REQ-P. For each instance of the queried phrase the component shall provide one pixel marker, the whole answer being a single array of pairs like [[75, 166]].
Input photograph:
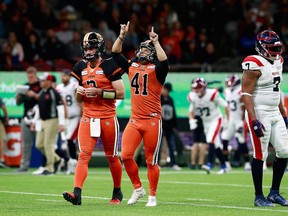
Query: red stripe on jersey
[[217, 129], [213, 96], [253, 59], [255, 142], [281, 59]]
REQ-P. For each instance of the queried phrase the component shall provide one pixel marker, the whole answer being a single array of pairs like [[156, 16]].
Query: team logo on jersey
[[151, 67], [107, 123], [99, 71], [135, 64], [83, 73]]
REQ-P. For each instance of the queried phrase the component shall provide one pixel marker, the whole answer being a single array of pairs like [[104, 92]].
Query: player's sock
[[72, 149], [243, 149], [220, 156], [211, 153], [279, 167], [225, 149], [257, 174], [62, 154], [77, 191]]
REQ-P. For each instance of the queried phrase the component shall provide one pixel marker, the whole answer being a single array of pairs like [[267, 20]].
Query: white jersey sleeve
[[266, 94]]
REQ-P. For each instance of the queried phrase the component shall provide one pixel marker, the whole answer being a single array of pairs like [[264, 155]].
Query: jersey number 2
[[135, 84]]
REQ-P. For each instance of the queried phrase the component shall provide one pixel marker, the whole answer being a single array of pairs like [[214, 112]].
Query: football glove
[[286, 121], [193, 124], [258, 128]]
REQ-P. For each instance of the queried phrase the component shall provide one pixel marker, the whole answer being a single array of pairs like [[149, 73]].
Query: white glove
[[193, 124]]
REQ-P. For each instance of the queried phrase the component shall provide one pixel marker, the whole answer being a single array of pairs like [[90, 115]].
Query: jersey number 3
[[136, 84]]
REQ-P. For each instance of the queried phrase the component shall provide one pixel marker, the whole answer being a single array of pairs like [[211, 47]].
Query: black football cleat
[[71, 197]]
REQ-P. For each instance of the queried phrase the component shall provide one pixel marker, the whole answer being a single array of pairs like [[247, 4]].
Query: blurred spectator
[[3, 121], [64, 33], [53, 48], [6, 58], [209, 58], [32, 49], [190, 55], [29, 98], [104, 30], [73, 49], [4, 18], [13, 52], [44, 17], [169, 123]]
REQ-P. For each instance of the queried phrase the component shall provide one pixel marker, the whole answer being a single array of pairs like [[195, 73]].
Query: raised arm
[[161, 55], [117, 46]]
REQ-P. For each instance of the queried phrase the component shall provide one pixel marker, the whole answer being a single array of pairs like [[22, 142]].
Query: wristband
[[108, 94], [120, 38], [246, 93]]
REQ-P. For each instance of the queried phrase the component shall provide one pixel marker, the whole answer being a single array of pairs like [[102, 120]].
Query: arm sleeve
[[162, 70], [191, 107], [121, 61], [77, 71], [220, 101]]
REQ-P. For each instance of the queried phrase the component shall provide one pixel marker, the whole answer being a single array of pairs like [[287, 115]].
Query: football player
[[205, 103], [265, 113], [147, 73], [100, 84], [235, 126], [67, 90]]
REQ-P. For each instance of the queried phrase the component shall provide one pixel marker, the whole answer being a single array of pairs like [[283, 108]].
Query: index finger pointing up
[[152, 29]]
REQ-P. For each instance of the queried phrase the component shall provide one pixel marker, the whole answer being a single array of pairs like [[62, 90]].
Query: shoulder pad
[[252, 62]]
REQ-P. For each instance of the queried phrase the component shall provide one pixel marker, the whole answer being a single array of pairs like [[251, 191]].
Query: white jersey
[[68, 94], [266, 94], [207, 107], [233, 96]]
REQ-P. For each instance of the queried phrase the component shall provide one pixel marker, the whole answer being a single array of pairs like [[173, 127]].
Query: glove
[[193, 124], [286, 121], [258, 128]]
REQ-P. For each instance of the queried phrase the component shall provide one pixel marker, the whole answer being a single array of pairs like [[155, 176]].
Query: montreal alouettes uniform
[[207, 107], [68, 94], [267, 90]]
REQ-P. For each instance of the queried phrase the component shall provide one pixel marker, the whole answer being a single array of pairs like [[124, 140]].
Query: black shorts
[[198, 133]]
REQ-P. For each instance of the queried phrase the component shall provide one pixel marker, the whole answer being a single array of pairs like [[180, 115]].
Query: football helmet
[[232, 80], [150, 57], [198, 86], [269, 45], [92, 40], [198, 83]]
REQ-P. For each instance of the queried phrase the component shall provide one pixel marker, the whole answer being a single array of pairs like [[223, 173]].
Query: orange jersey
[[145, 91], [102, 77]]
